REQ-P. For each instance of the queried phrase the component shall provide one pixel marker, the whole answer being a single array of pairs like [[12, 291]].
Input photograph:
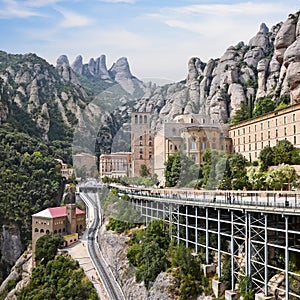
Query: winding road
[[92, 202]]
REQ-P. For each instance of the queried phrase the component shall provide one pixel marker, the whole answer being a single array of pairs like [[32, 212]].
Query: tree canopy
[[60, 278], [46, 247]]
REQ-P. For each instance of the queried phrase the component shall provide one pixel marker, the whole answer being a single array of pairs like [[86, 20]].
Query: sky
[[157, 37]]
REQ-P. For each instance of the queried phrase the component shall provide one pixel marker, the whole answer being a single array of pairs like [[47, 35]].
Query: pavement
[[79, 252]]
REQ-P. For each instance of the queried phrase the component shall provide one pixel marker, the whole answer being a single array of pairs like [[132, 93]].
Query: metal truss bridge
[[259, 232]]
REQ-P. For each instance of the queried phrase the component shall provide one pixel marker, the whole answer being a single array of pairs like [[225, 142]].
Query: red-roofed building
[[69, 221]]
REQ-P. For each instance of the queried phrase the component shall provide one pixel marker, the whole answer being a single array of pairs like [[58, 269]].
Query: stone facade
[[142, 143], [116, 164], [191, 134], [251, 136]]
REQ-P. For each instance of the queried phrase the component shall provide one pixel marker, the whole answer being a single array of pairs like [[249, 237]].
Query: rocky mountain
[[269, 65], [49, 101], [37, 98]]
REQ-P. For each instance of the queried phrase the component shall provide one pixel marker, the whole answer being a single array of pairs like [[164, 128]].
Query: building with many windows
[[251, 136], [142, 143], [69, 221], [191, 134], [115, 164]]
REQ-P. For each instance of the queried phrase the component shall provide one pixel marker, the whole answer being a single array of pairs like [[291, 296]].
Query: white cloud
[[14, 9], [72, 19], [118, 1], [41, 3]]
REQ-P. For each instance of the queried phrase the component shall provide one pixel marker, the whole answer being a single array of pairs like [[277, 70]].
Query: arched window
[[135, 119], [141, 119], [59, 230], [55, 231], [47, 231], [150, 143], [42, 230], [141, 137], [145, 119], [36, 230], [80, 227]]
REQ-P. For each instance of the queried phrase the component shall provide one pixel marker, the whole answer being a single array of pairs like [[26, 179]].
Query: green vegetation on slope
[[30, 180], [56, 277], [60, 278], [152, 252], [218, 170]]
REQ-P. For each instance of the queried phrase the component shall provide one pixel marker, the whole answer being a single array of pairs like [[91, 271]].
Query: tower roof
[[56, 212]]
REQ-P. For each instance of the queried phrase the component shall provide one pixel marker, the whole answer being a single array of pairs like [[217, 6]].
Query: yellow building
[[251, 136], [69, 221], [191, 134]]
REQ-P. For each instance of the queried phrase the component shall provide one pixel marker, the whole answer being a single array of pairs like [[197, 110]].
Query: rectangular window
[[294, 129], [261, 126], [284, 120], [276, 122], [295, 140], [262, 136], [268, 134], [249, 138], [294, 117], [276, 133], [284, 130]]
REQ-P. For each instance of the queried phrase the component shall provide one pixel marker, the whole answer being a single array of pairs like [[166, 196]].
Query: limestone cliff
[[267, 66], [114, 249]]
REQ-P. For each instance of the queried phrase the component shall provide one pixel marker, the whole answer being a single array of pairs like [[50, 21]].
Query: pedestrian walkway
[[80, 253]]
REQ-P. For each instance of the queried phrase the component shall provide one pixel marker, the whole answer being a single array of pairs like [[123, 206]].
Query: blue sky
[[157, 37]]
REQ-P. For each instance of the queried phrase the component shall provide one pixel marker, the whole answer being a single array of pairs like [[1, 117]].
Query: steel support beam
[[232, 251], [219, 244], [206, 237], [266, 256], [286, 257]]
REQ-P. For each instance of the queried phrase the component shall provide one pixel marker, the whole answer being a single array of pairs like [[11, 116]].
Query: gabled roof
[[55, 212]]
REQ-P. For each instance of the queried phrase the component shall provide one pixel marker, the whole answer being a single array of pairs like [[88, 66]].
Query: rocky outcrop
[[120, 72], [114, 249], [267, 66], [10, 244], [32, 87], [287, 45], [19, 274]]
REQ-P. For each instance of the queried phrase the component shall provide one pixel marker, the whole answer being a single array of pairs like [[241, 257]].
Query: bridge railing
[[276, 199]]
